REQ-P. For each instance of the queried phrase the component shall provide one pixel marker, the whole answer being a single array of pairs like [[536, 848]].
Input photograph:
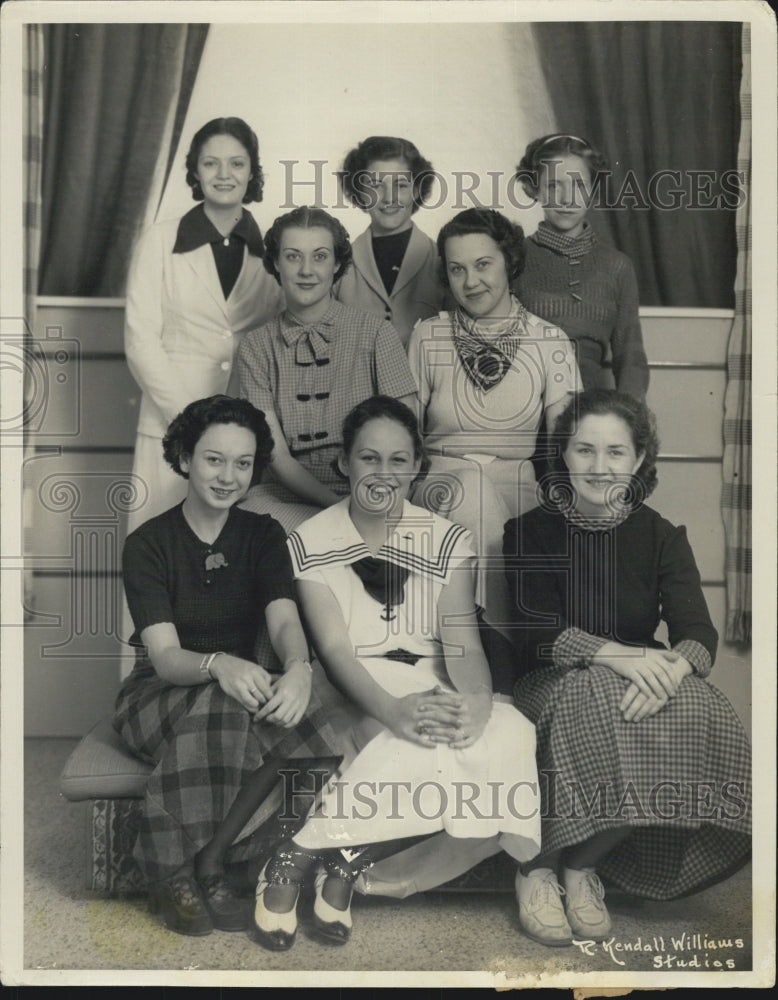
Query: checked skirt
[[681, 779], [204, 745]]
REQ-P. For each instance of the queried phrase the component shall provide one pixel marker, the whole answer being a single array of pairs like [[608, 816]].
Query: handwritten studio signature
[[685, 951]]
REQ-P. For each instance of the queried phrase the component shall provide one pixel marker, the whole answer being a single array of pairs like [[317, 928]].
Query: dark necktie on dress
[[384, 581]]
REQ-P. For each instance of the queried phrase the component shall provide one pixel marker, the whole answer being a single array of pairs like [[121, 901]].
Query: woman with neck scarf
[[488, 374], [387, 594], [309, 366], [570, 277]]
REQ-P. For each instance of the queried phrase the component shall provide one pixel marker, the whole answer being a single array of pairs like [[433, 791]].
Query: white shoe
[[585, 906], [541, 913]]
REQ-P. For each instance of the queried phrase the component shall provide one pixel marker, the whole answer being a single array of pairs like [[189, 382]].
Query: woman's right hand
[[245, 681], [417, 716], [650, 670]]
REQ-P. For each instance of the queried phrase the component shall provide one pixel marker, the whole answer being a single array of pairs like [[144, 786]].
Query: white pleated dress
[[388, 787]]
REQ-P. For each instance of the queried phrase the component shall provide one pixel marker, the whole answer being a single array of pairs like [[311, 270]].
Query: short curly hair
[[509, 237], [307, 217], [188, 427], [602, 402], [384, 147], [548, 147], [239, 130]]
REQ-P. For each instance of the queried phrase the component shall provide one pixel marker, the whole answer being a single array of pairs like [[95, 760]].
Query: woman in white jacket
[[196, 284]]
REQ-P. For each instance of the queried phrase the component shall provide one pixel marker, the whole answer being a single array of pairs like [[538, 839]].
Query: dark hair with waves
[[509, 237], [188, 427], [384, 147], [239, 130], [602, 402], [307, 217]]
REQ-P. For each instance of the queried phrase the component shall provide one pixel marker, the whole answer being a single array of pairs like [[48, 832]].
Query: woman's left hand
[[291, 693], [636, 706]]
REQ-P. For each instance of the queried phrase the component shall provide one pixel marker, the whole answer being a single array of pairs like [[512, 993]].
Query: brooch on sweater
[[215, 561]]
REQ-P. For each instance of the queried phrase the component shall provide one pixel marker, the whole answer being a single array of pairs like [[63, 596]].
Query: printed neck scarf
[[487, 350]]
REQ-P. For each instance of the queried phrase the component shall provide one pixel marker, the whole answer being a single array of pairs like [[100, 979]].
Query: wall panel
[[79, 474]]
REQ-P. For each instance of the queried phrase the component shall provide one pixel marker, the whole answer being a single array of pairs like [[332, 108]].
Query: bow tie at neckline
[[311, 343]]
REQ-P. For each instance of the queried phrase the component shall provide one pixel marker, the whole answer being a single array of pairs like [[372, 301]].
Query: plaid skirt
[[681, 779], [204, 746]]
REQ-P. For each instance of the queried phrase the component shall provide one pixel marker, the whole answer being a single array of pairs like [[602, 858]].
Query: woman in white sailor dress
[[195, 285], [387, 592]]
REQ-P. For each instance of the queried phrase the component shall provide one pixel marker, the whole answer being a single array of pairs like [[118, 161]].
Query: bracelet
[[299, 659], [205, 665]]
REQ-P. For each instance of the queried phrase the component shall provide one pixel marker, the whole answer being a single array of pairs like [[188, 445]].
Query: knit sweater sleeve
[[630, 366], [683, 603]]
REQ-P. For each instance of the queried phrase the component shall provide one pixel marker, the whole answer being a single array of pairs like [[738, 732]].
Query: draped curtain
[[115, 96], [736, 466], [104, 109], [32, 147], [657, 96]]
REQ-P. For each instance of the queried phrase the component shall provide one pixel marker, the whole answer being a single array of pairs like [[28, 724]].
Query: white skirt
[[393, 788]]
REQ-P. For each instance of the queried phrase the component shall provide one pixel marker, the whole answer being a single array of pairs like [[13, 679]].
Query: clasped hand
[[654, 677], [439, 716], [280, 699]]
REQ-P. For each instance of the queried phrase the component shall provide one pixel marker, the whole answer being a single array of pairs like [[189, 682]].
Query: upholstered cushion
[[103, 767]]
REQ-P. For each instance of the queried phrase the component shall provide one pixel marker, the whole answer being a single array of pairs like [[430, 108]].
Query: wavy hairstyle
[[188, 427], [239, 130], [384, 147], [604, 402], [307, 217], [509, 237]]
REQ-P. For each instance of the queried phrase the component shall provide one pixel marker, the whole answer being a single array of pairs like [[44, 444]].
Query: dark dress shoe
[[227, 910], [179, 903]]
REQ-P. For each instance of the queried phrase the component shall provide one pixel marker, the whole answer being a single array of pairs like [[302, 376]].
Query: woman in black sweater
[[645, 768]]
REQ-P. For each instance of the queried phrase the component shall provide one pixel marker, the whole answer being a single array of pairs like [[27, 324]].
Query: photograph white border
[[14, 16]]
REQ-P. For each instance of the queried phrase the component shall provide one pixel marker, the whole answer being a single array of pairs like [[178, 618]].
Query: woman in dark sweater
[[215, 723], [570, 278], [645, 768]]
